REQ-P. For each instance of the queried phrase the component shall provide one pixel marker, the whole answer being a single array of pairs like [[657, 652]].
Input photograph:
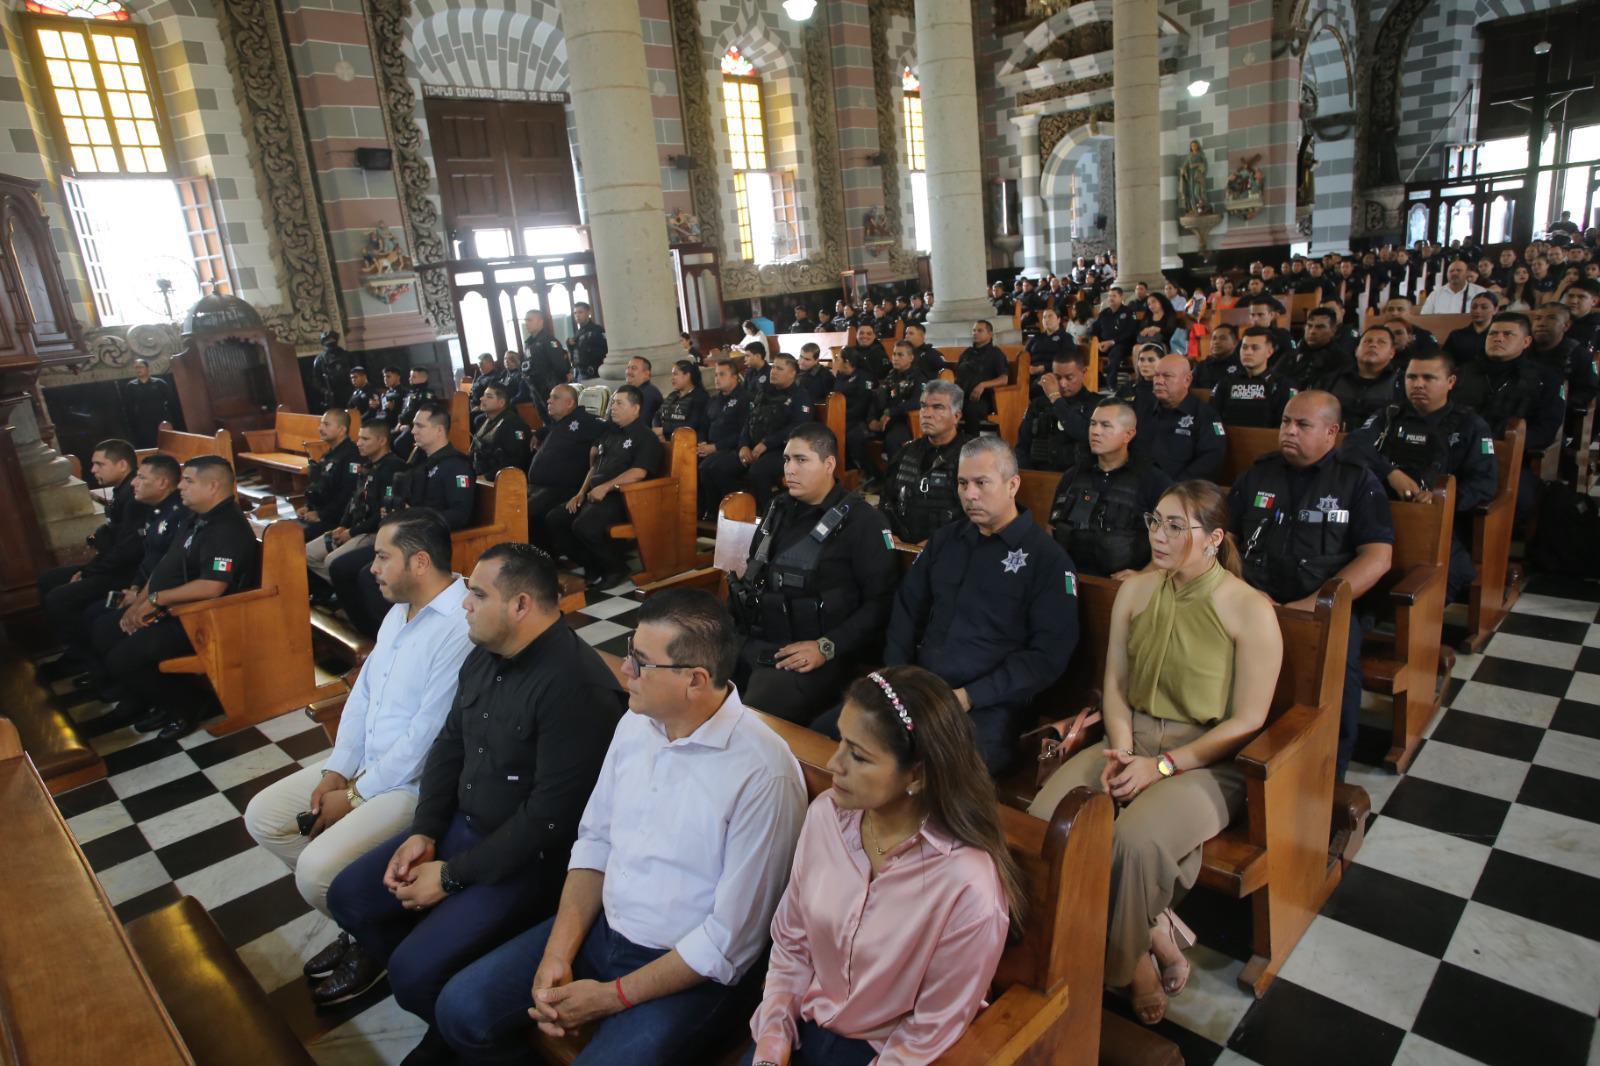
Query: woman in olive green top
[[1191, 665]]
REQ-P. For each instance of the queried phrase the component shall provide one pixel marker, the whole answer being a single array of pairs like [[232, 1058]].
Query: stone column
[[1136, 96], [622, 182], [1035, 256], [955, 171]]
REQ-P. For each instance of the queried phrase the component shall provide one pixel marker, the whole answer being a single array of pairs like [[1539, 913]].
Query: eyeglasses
[[632, 660], [1174, 527]]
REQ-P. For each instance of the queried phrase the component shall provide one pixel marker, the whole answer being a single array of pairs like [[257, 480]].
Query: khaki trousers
[[319, 558], [270, 820], [1155, 847]]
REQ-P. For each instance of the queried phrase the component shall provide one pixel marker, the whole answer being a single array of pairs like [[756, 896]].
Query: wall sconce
[[1199, 87], [799, 10]]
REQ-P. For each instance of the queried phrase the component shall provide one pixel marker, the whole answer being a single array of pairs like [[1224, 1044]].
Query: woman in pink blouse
[[902, 891]]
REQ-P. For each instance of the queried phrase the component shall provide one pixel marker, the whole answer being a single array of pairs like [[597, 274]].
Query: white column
[[1136, 96], [622, 182], [1035, 256], [955, 171]]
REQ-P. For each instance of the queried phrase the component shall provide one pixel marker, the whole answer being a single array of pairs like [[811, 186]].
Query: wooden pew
[[530, 414], [284, 453], [1497, 587], [1300, 305], [1411, 666], [254, 647], [1038, 493], [64, 756], [1245, 444], [185, 446], [1575, 466], [460, 423], [662, 512], [499, 514]]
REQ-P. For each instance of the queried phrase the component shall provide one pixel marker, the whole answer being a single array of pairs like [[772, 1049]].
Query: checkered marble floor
[[1466, 932]]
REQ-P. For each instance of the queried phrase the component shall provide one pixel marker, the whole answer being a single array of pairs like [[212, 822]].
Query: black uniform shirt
[[159, 530], [374, 489], [870, 358], [1370, 519], [519, 753], [563, 456], [1470, 447], [500, 442], [335, 482], [624, 448], [442, 481], [1242, 400], [216, 546], [1186, 441], [117, 545], [683, 411], [931, 362], [796, 410], [725, 418], [589, 347], [817, 383]]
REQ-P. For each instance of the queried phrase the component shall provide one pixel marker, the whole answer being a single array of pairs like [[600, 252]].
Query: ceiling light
[[799, 10], [1199, 87]]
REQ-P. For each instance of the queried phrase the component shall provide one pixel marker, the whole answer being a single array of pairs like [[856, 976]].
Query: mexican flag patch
[[1486, 446], [1072, 583], [1216, 427], [888, 540], [222, 566], [355, 468], [1264, 500], [463, 481]]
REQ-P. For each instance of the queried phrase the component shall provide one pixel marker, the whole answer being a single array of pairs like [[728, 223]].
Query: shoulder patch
[[1486, 446], [463, 481], [1072, 583], [1217, 428]]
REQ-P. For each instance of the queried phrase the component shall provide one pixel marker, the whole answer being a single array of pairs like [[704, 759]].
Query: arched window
[[768, 212], [916, 153]]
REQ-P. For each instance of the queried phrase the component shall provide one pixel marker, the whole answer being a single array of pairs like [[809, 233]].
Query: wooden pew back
[[460, 422], [530, 414], [186, 446], [1492, 592], [662, 511], [1037, 493]]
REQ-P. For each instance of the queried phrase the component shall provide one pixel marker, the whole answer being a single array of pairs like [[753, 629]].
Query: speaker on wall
[[374, 159]]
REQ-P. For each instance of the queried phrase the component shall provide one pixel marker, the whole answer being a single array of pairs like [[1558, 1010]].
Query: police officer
[[867, 352], [418, 393], [1414, 444], [816, 591], [1373, 383], [330, 370], [896, 396], [917, 313], [439, 477], [756, 371], [1100, 503], [356, 527], [1508, 383], [815, 379], [981, 369], [773, 413], [1115, 328], [544, 364], [1056, 426], [1321, 355], [1263, 311], [1223, 356], [588, 342], [149, 403], [1557, 352], [1001, 300], [1255, 396], [580, 528], [504, 438], [1465, 345], [719, 452], [363, 398], [1051, 340], [1180, 434], [802, 321], [332, 478], [637, 374], [685, 406], [489, 373], [561, 457], [392, 398], [929, 359], [860, 403], [920, 483], [1303, 515]]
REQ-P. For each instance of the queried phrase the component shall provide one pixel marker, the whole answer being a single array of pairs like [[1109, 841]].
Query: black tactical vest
[[1290, 551], [780, 598], [1103, 530], [924, 496], [1420, 450]]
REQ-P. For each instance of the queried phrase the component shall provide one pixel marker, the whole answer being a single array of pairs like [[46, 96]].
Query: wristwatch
[[825, 646], [450, 885], [1165, 766]]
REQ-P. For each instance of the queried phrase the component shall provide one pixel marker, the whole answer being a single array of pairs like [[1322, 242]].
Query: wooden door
[[502, 165], [540, 164]]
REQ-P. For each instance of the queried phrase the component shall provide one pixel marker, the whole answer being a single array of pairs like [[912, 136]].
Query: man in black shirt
[[503, 439], [815, 595], [814, 378], [1372, 384], [501, 794], [929, 359], [867, 353], [920, 484], [756, 371], [1222, 358], [560, 458], [1180, 434], [1465, 345], [489, 373], [363, 397], [149, 403], [802, 321], [981, 369], [392, 398], [358, 524], [1507, 384], [217, 554], [1559, 353], [1001, 300], [1321, 355], [588, 343], [580, 528], [1256, 395], [418, 393], [774, 411], [330, 372], [1115, 328], [638, 375], [1581, 297], [719, 452], [1056, 426], [332, 477], [897, 395], [1100, 502]]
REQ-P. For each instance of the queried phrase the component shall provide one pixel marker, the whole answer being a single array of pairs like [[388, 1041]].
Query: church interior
[[1291, 303]]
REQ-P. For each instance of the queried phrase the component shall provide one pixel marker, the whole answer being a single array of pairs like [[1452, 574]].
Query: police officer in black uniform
[[896, 396], [418, 393], [1414, 444], [439, 477], [773, 413], [215, 555], [1056, 426], [1561, 354], [1181, 435], [544, 364], [588, 342], [359, 523], [331, 371], [504, 438], [1001, 300], [815, 595], [685, 406], [920, 485], [981, 369], [1256, 395], [1321, 355], [719, 451], [332, 478], [1303, 515], [815, 379], [1465, 345], [561, 457], [392, 398], [1115, 328], [1043, 347], [1509, 383], [757, 372], [580, 528], [149, 403], [1372, 383], [802, 321], [1100, 503], [1222, 356], [929, 359], [489, 373], [867, 353], [363, 398]]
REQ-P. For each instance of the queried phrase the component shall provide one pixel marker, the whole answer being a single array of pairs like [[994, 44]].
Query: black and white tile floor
[[1468, 930]]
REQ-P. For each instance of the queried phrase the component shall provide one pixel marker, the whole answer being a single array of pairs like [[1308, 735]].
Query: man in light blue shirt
[[367, 790]]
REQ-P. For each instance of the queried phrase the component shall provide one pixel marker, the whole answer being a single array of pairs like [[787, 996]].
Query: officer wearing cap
[[920, 485]]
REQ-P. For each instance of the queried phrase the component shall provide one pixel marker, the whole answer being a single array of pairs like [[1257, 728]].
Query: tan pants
[[319, 558], [270, 820], [1155, 848]]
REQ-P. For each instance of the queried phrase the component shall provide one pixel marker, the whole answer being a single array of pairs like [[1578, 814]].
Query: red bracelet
[[625, 1004]]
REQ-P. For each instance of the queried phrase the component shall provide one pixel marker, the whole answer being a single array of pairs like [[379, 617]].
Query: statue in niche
[[683, 228], [1246, 189], [1194, 198], [1305, 177]]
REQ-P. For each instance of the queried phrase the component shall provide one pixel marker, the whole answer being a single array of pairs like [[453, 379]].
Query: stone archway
[[1078, 189]]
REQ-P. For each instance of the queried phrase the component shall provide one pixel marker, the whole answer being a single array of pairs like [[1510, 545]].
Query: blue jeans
[[483, 1011], [818, 1047], [424, 951]]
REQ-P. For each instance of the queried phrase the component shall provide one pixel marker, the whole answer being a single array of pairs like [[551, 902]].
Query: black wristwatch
[[450, 885]]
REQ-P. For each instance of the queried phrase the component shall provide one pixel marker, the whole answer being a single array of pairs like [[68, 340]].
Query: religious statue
[[385, 267], [1193, 196], [1246, 189], [1305, 184], [875, 226], [683, 228]]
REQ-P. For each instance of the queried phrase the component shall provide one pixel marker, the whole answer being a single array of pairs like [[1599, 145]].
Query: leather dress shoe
[[179, 725], [327, 960], [356, 973], [605, 581], [432, 1051], [152, 721]]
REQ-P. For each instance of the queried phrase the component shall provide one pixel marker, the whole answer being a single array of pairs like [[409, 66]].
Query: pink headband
[[894, 701]]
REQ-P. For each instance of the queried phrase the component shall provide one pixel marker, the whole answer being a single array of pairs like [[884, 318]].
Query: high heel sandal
[[1152, 1003], [1174, 979]]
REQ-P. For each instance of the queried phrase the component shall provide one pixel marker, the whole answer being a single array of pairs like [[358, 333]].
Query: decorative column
[[622, 183], [955, 171], [1035, 257], [1136, 98]]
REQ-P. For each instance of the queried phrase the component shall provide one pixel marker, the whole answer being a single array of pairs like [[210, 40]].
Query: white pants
[[270, 820], [320, 559]]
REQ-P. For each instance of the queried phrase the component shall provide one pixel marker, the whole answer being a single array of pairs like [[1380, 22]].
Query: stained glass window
[[911, 113], [735, 65], [109, 10], [909, 81]]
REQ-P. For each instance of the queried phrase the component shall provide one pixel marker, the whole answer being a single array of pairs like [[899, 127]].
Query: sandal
[[1151, 1007], [1174, 979]]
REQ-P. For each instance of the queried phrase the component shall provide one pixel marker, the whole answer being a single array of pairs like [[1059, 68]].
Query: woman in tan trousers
[[1191, 664]]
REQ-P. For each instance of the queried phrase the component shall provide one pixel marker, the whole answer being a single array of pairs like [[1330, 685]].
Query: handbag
[[1059, 741]]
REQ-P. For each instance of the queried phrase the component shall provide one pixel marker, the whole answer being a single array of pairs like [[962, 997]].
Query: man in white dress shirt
[[1454, 297], [367, 790], [682, 854]]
